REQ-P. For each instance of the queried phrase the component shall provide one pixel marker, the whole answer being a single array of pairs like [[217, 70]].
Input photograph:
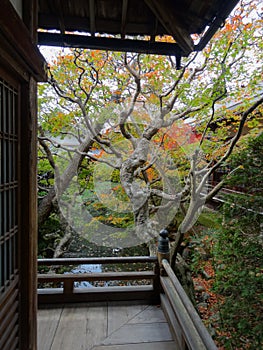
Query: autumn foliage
[[134, 141]]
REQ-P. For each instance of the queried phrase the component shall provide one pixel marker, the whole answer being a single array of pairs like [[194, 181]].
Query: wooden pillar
[[30, 17], [28, 216]]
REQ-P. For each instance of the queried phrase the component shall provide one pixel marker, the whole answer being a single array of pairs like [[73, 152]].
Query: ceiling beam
[[111, 44], [124, 18], [92, 16], [171, 23], [154, 29], [81, 24], [56, 8]]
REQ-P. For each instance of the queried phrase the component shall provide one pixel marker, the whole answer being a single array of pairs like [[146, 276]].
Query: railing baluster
[[68, 286]]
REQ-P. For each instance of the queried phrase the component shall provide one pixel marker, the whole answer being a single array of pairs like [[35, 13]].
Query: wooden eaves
[[19, 43], [121, 24]]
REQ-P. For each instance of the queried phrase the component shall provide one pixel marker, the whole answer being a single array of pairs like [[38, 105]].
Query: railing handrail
[[102, 260], [194, 331], [67, 291], [98, 276]]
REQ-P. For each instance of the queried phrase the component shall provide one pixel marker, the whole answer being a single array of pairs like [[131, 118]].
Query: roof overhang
[[134, 26]]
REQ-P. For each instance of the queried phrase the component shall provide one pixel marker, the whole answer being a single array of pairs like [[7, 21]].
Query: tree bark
[[46, 206], [62, 180]]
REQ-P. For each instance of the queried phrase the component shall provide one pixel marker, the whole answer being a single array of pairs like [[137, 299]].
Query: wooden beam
[[18, 36], [60, 18], [72, 24], [217, 23], [30, 17], [124, 18], [56, 295], [154, 30], [102, 43], [28, 219], [102, 276], [171, 23], [92, 17]]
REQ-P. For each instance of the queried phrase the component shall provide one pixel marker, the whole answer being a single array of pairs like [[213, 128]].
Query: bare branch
[[183, 115], [237, 135], [46, 149], [167, 196], [219, 186], [137, 79]]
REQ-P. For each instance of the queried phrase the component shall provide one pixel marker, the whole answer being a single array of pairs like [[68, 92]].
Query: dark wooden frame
[[28, 217], [21, 60], [9, 296]]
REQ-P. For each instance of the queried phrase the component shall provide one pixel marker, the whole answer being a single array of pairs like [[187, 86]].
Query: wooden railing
[[188, 328], [66, 291]]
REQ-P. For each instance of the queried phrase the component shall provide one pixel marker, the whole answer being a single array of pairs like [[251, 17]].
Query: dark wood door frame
[[22, 65]]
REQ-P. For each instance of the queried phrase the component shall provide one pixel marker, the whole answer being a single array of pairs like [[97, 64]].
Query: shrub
[[238, 253]]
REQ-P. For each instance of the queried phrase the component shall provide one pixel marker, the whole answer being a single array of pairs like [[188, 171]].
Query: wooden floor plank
[[97, 325], [104, 326], [145, 346], [140, 333], [121, 313], [81, 327], [150, 314], [48, 320], [71, 330]]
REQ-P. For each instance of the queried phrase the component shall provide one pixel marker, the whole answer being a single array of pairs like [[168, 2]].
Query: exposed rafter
[[61, 22], [124, 18], [217, 23], [154, 30], [92, 16], [130, 19], [171, 23]]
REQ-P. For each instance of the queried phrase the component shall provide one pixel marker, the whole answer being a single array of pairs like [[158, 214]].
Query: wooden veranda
[[21, 67], [155, 314], [104, 326]]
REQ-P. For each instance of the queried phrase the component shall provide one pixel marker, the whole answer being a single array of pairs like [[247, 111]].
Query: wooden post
[[157, 283], [68, 287], [163, 251]]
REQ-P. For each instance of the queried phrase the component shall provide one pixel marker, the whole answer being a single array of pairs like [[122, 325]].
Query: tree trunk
[[62, 181], [46, 206]]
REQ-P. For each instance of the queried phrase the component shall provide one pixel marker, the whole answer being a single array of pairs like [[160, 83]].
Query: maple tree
[[163, 131]]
